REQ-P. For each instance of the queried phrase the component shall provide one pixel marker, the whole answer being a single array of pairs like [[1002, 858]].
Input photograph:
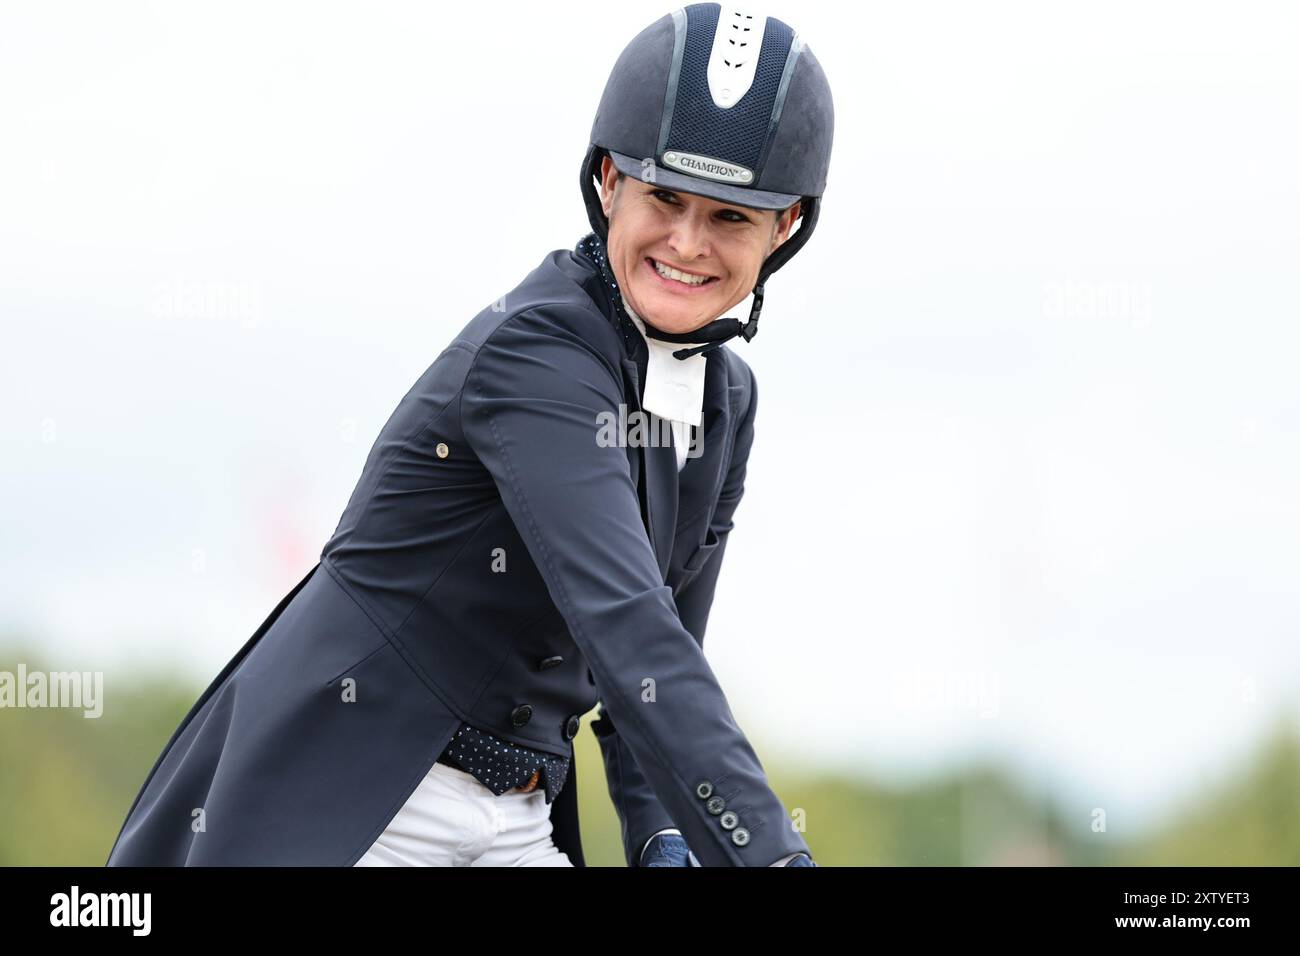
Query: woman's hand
[[667, 849]]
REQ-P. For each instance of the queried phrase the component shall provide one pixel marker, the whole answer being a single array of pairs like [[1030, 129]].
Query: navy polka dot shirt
[[501, 765]]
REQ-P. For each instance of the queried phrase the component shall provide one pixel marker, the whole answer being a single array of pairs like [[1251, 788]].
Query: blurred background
[[1038, 364]]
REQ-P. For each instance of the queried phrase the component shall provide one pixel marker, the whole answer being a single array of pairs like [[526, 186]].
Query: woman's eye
[[728, 214]]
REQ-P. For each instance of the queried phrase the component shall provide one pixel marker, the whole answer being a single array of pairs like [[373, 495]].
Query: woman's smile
[[675, 285]]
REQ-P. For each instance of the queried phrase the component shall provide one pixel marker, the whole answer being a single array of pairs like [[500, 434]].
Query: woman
[[514, 553]]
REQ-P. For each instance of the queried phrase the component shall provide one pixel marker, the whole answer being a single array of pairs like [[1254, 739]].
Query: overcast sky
[[1028, 446]]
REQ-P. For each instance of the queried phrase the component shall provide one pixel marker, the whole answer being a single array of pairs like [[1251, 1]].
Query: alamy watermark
[[638, 429], [978, 691], [84, 690], [1073, 298], [129, 910], [208, 300]]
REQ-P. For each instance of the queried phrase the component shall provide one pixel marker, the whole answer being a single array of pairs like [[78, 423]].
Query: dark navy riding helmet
[[725, 103]]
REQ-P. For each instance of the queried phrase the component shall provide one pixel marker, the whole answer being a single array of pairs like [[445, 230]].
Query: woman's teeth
[[682, 277]]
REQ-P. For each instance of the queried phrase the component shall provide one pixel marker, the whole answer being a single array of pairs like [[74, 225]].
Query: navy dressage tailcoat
[[498, 563]]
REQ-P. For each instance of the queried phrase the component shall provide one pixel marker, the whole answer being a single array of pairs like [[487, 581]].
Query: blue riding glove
[[667, 849]]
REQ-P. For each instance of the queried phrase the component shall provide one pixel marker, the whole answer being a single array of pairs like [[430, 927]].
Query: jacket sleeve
[[531, 409], [640, 813]]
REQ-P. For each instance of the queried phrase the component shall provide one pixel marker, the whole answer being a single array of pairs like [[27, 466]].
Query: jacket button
[[442, 450], [716, 805], [704, 789], [521, 714], [548, 662], [740, 836], [728, 820], [571, 727]]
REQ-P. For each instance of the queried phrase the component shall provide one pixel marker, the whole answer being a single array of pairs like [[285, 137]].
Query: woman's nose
[[689, 240]]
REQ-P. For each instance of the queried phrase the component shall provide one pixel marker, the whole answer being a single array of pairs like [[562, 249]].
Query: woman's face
[[689, 233]]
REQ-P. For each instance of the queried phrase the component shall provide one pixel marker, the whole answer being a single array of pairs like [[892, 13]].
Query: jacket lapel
[[700, 482], [659, 494], [688, 495], [661, 488]]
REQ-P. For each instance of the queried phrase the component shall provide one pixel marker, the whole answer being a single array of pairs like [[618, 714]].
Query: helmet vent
[[731, 64]]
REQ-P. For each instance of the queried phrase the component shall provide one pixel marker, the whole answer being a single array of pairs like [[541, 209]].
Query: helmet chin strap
[[715, 333]]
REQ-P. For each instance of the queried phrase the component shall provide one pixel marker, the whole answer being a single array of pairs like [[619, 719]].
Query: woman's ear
[[783, 223], [610, 178]]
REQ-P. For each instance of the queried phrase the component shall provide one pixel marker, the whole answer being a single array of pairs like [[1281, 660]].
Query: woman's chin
[[671, 317], [677, 328]]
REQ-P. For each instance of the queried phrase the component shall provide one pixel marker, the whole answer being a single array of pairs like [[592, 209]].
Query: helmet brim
[[721, 192]]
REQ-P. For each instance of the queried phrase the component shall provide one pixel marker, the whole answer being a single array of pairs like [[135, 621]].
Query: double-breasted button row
[[524, 713], [717, 806]]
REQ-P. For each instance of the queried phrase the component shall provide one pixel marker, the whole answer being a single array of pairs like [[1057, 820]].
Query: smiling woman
[[681, 259], [500, 570]]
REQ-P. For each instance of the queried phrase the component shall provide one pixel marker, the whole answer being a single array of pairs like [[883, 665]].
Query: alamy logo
[[638, 429], [55, 689], [102, 909]]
